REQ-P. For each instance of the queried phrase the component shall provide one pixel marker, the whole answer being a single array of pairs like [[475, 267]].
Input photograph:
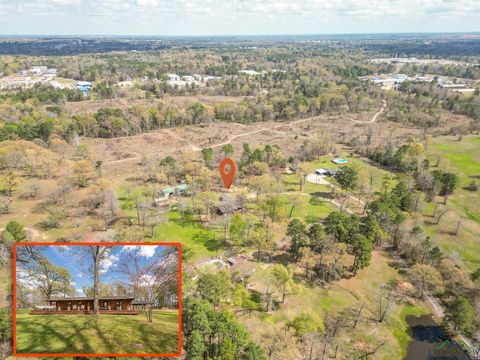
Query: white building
[[210, 78], [42, 70], [173, 77], [249, 72], [125, 84]]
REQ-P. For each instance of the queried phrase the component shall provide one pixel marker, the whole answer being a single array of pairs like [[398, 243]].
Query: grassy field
[[320, 301], [462, 158], [107, 334], [201, 241]]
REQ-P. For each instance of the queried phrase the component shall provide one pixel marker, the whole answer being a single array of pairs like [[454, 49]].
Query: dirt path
[[289, 123], [193, 147], [373, 119]]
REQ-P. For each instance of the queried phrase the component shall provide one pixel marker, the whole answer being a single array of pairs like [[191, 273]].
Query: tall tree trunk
[[96, 276]]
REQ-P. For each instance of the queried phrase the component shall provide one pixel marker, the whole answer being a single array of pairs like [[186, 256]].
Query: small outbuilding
[[339, 161], [181, 189]]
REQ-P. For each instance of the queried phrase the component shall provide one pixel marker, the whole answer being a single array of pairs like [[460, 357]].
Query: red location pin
[[228, 177]]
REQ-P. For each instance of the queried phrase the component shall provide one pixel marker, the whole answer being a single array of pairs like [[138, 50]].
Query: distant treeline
[[48, 46], [415, 45], [424, 48]]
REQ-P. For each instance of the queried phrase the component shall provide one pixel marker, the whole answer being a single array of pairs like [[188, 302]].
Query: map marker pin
[[228, 177]]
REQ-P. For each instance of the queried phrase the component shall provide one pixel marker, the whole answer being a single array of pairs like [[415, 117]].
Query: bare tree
[[147, 278], [385, 301], [372, 351]]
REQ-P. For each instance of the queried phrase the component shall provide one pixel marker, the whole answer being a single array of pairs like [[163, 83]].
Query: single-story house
[[175, 190], [84, 305], [249, 72], [139, 304], [327, 172], [83, 86], [241, 266], [228, 205], [173, 77], [321, 171]]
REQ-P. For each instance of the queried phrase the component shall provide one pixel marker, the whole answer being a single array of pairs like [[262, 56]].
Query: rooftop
[[79, 298]]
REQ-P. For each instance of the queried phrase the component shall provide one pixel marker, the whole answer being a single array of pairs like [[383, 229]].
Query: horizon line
[[246, 35]]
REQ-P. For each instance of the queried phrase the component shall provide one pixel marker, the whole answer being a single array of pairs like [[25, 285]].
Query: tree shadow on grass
[[156, 339], [208, 242], [322, 195], [310, 219], [93, 324], [42, 337], [68, 334]]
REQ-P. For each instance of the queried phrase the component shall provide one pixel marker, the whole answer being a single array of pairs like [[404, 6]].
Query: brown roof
[[228, 204], [140, 302], [79, 298]]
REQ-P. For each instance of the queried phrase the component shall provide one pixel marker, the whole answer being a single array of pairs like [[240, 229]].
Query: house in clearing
[[181, 189], [83, 86], [328, 172], [228, 205], [84, 305]]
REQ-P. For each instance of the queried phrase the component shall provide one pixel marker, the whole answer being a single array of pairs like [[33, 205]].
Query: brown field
[[82, 107]]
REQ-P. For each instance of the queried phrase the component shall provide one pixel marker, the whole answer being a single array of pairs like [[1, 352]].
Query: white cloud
[[79, 292], [143, 250], [148, 250], [129, 248], [66, 2], [237, 16], [108, 262], [147, 3]]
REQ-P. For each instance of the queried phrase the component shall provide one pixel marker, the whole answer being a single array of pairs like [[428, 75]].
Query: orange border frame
[[179, 245]]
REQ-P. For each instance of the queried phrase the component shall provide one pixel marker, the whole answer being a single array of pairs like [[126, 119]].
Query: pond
[[430, 342]]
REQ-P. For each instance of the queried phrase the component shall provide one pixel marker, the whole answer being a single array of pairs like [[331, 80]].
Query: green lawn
[[366, 171], [106, 334], [311, 209], [320, 301], [201, 241], [462, 158]]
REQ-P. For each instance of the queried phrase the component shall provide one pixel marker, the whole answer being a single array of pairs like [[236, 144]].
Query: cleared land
[[107, 334], [334, 298], [463, 159]]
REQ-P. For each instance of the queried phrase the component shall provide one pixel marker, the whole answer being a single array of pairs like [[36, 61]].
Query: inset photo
[[106, 299]]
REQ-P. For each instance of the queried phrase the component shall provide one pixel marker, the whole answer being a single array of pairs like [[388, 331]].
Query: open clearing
[[107, 334], [332, 299], [463, 159]]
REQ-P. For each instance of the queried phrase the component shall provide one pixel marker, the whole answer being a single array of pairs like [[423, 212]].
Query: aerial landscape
[[350, 229]]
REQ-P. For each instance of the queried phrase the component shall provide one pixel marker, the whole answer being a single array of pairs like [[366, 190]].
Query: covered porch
[[86, 312]]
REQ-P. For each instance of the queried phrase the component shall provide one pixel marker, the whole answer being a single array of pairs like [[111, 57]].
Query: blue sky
[[72, 259], [231, 17]]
